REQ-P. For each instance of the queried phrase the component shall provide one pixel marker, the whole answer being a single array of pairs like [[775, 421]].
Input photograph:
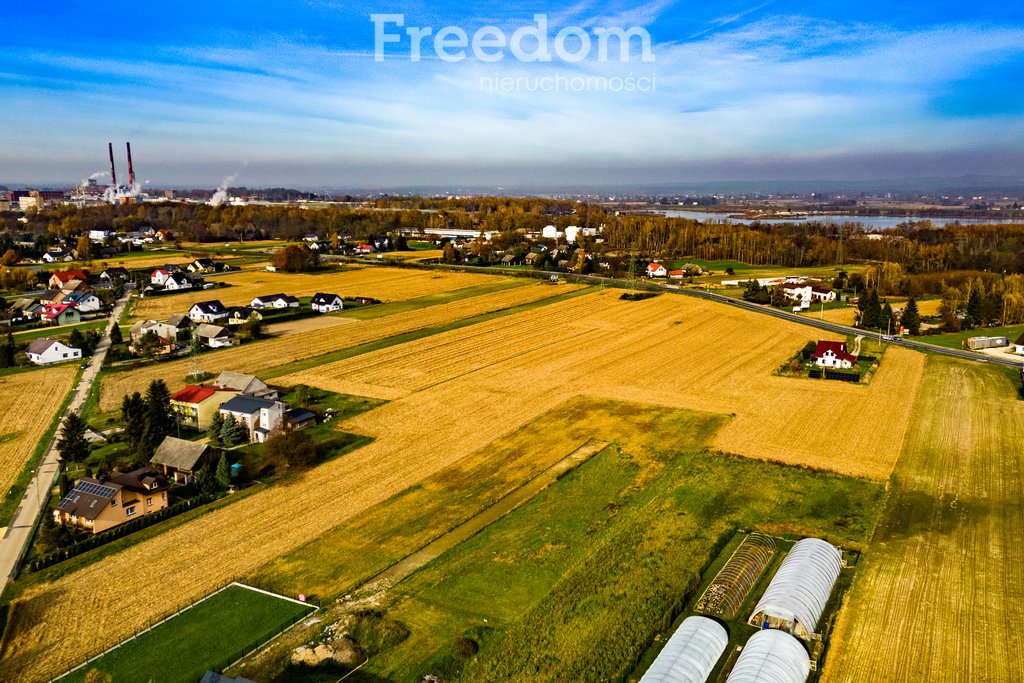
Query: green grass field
[[210, 635], [958, 340], [575, 584]]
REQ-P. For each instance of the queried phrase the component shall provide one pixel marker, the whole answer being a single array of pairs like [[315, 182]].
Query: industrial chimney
[[113, 175], [131, 171]]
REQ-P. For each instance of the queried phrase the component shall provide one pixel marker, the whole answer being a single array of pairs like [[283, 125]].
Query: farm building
[[690, 654], [771, 657], [180, 459], [796, 596], [832, 354], [978, 343]]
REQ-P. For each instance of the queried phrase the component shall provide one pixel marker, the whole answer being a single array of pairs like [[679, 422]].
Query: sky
[[307, 94]]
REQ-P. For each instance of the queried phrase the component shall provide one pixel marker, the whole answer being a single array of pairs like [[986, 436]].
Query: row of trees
[[147, 420]]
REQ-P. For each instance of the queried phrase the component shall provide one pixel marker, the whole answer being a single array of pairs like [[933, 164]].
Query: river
[[869, 222]]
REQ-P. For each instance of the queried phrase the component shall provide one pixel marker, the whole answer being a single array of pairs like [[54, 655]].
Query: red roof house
[[833, 354], [61, 277]]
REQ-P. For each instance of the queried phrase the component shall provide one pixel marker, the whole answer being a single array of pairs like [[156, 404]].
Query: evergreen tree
[[888, 319], [911, 318], [159, 413], [975, 314], [232, 432], [205, 480], [115, 336], [72, 444], [223, 472], [77, 341], [871, 319], [216, 424], [133, 416], [8, 351]]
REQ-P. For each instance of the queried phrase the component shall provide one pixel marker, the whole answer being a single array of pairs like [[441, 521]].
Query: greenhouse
[[797, 594], [771, 657], [690, 654]]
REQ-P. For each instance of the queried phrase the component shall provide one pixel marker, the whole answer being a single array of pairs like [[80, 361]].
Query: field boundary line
[[272, 594]]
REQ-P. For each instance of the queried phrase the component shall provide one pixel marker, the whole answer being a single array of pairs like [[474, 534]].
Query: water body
[[869, 222]]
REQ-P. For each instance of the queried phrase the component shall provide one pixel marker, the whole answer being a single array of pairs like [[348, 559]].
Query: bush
[[466, 647]]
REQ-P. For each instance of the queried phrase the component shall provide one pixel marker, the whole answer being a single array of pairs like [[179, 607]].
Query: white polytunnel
[[690, 654], [797, 594], [771, 657]]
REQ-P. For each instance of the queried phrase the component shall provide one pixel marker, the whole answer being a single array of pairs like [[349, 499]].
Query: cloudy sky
[[293, 94]]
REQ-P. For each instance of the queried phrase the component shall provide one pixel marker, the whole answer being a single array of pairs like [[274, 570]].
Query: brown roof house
[[181, 459], [99, 504]]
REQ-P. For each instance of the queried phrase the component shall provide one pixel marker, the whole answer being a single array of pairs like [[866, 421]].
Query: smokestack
[[113, 175], [131, 171]]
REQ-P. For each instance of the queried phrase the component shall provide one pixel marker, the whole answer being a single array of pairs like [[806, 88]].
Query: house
[[656, 270], [822, 294], [215, 336], [201, 265], [56, 256], [97, 505], [325, 303], [166, 344], [1018, 346], [25, 308], [60, 314], [101, 234], [177, 281], [300, 418], [207, 311], [176, 325], [159, 277], [174, 329], [238, 315], [798, 292], [110, 274], [247, 385], [76, 285], [365, 249], [45, 351], [275, 301], [676, 274], [180, 459], [195, 405], [62, 277], [366, 300], [833, 354], [85, 302], [259, 415]]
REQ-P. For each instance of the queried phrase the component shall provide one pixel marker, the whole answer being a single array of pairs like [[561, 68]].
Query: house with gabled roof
[[260, 416], [85, 302], [325, 303], [114, 273], [207, 311], [97, 505], [247, 385], [60, 313], [215, 336], [833, 354], [179, 459], [238, 315], [177, 281], [61, 277], [45, 351], [275, 301], [656, 270], [201, 265], [195, 405], [159, 277], [1018, 346]]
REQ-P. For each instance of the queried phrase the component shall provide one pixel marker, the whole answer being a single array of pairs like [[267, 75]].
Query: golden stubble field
[[386, 284], [308, 343], [28, 401], [463, 390], [939, 596]]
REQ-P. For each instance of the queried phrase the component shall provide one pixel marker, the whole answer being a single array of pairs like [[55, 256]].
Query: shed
[[690, 654], [771, 657], [796, 596]]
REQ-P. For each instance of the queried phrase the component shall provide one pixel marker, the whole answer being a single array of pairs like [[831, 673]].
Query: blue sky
[[290, 94]]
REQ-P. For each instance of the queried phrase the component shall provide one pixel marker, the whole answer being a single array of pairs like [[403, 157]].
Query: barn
[[797, 594], [771, 657], [690, 654]]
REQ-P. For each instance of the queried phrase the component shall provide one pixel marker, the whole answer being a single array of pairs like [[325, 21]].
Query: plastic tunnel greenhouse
[[771, 657], [690, 654], [797, 594]]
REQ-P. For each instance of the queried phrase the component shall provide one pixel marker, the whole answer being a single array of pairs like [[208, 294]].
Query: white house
[[833, 354], [100, 234], [207, 311], [45, 351], [325, 303], [259, 415], [656, 270], [86, 302], [275, 301], [1018, 346], [177, 281], [159, 277], [822, 294], [215, 336]]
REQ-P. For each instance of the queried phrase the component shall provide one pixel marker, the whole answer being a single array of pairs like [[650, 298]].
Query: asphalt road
[[14, 543]]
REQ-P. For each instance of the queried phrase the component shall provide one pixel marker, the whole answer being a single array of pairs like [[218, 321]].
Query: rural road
[[14, 543]]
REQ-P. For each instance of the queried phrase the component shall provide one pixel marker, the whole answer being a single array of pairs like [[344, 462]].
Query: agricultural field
[[28, 402], [472, 386], [181, 649], [386, 284], [271, 353], [940, 593]]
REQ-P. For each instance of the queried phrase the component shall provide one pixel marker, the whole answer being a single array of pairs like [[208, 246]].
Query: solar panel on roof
[[96, 489]]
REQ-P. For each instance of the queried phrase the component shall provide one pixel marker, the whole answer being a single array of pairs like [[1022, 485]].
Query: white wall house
[[159, 277], [656, 270], [832, 354], [259, 415], [207, 311], [45, 351], [177, 281], [325, 303]]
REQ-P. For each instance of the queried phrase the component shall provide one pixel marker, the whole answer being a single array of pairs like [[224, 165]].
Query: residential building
[[275, 301], [177, 281], [62, 277], [1018, 346], [656, 270], [260, 416], [201, 265], [60, 314], [300, 418], [179, 459], [215, 336], [325, 303], [85, 302], [207, 311], [45, 351], [238, 315], [97, 505], [110, 274], [195, 405], [247, 385], [833, 354], [159, 277]]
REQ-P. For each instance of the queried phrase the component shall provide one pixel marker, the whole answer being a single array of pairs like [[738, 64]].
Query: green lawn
[[60, 331], [208, 636], [958, 340]]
